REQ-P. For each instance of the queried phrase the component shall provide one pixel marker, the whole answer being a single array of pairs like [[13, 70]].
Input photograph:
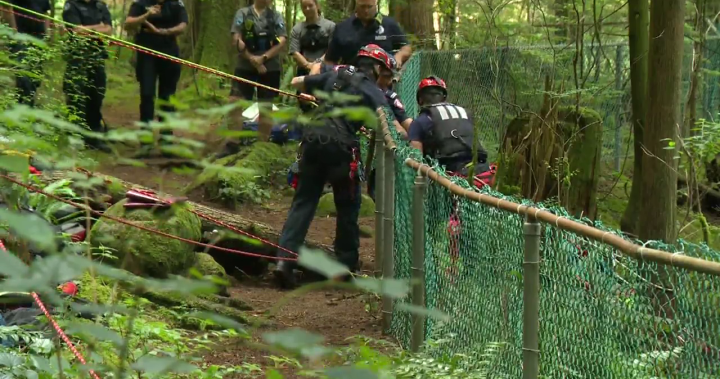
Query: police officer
[[159, 23], [26, 85], [366, 27], [444, 131], [85, 79], [331, 153], [310, 39], [259, 36]]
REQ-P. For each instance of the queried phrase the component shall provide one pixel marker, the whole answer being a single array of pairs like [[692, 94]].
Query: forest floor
[[335, 314]]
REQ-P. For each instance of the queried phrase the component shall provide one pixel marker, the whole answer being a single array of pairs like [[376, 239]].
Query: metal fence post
[[531, 299], [379, 201], [418, 262], [388, 233]]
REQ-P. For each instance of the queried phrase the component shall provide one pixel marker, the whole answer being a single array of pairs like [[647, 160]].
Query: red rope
[[57, 327], [141, 227], [214, 221]]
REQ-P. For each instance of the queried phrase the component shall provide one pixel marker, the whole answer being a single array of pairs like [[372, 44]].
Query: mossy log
[[232, 219], [238, 182], [234, 310]]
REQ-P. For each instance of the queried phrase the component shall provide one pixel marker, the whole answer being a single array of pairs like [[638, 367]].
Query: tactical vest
[[452, 133], [340, 129], [259, 39], [313, 39]]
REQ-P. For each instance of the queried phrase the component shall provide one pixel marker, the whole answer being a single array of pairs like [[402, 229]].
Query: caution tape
[[117, 41]]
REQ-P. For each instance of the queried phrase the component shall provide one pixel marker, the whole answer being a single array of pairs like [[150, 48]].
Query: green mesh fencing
[[501, 84], [602, 314]]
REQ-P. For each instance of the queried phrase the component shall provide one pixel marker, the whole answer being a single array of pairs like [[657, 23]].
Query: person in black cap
[[331, 153]]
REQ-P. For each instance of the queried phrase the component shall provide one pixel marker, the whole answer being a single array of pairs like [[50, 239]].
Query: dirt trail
[[337, 315]]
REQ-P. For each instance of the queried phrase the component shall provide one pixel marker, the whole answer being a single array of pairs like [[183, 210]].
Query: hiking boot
[[284, 275]]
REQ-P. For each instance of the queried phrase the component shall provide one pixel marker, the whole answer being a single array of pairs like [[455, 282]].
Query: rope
[[141, 227], [57, 327], [117, 41]]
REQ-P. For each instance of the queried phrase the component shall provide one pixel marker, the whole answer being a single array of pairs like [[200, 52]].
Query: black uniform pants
[[26, 85], [319, 164], [157, 77], [84, 87]]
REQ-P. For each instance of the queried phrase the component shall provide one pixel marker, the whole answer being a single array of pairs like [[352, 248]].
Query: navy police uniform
[[85, 79], [351, 35], [330, 153], [26, 85], [157, 75]]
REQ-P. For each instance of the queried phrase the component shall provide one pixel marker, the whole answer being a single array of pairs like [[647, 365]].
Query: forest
[[600, 117]]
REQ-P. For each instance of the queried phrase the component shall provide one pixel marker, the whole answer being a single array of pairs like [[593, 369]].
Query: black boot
[[284, 274]]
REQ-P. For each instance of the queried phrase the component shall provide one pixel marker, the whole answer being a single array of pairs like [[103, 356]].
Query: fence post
[[379, 200], [418, 262], [388, 233], [531, 299]]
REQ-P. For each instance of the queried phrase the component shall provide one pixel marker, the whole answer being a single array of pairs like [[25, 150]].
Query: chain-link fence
[[500, 84], [603, 313]]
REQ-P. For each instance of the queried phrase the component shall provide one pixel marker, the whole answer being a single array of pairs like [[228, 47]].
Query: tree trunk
[[448, 12], [638, 14], [659, 184], [338, 10], [416, 18], [695, 78], [212, 22]]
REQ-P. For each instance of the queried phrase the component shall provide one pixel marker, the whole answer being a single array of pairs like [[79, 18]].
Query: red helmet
[[377, 53], [430, 82]]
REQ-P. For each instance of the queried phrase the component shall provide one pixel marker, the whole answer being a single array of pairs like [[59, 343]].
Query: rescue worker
[[259, 36], [331, 153], [26, 85], [367, 26], [445, 131], [158, 23], [309, 40], [85, 79]]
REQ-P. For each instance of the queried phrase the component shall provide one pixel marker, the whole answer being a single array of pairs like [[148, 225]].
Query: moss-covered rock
[[146, 253], [236, 178], [95, 289], [207, 265], [326, 207]]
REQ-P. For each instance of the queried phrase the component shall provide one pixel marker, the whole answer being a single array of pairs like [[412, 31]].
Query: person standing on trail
[[445, 131], [330, 152], [26, 85], [159, 23], [309, 40], [259, 36], [367, 26], [85, 78]]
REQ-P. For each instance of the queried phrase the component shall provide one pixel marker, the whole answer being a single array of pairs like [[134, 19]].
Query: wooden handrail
[[633, 250]]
